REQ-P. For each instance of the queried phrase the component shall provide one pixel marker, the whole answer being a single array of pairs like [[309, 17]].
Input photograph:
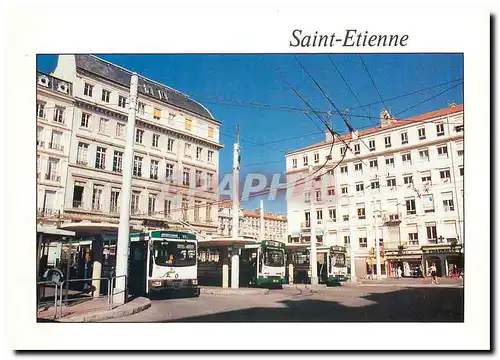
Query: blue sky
[[254, 78]]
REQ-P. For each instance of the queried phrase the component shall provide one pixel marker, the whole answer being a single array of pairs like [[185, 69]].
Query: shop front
[[448, 259], [408, 260]]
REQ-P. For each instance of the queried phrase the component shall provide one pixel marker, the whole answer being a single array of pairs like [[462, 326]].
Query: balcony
[[77, 204], [305, 225], [82, 162], [52, 177], [47, 213], [40, 144], [56, 146], [392, 219]]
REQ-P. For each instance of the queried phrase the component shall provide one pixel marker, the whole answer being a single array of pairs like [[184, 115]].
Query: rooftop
[[396, 123], [121, 76]]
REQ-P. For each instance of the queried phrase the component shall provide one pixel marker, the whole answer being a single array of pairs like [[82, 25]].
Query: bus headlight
[[156, 283], [194, 281]]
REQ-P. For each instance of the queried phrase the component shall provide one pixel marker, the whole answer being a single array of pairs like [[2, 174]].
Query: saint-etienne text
[[351, 38]]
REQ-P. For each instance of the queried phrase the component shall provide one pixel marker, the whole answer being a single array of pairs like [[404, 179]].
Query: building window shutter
[[210, 132], [157, 113]]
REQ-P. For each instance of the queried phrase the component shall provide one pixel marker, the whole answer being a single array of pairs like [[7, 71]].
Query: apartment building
[[176, 150], [403, 177], [275, 225], [54, 120]]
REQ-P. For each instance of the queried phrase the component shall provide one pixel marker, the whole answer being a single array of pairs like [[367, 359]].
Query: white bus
[[163, 262], [337, 270], [263, 264]]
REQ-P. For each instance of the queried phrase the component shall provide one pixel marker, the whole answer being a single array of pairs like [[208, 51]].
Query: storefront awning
[[52, 230]]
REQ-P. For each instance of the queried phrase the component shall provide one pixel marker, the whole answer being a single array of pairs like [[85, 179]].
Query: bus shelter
[[49, 240]]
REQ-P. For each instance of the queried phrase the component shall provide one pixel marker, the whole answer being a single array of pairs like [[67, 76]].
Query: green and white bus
[[263, 264], [163, 262], [337, 269]]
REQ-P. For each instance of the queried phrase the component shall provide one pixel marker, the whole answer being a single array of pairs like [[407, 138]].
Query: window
[[421, 134], [210, 180], [134, 204], [187, 124], [170, 145], [426, 176], [445, 174], [100, 158], [167, 207], [105, 95], [96, 197], [87, 90], [332, 214], [138, 135], [171, 117], [187, 150], [169, 172], [198, 152], [440, 129], [343, 189], [319, 214], [361, 211], [305, 160], [358, 167], [185, 177], [374, 163], [331, 192], [197, 205], [208, 213], [55, 141], [424, 154], [141, 108], [59, 115], [371, 145], [185, 204], [52, 170], [410, 206], [294, 163], [360, 187], [362, 242], [343, 169], [357, 149], [156, 140], [153, 171], [431, 233], [413, 239], [346, 240], [375, 184], [387, 141], [137, 166], [82, 154], [460, 153], [197, 178], [389, 161], [428, 203], [391, 182], [406, 158], [461, 170], [316, 158], [118, 161], [210, 156], [307, 197], [115, 194], [407, 179], [122, 101], [40, 109], [151, 204], [103, 125], [120, 129], [210, 132], [459, 128], [342, 150], [404, 138], [448, 201], [442, 151], [156, 114], [308, 218], [318, 195]]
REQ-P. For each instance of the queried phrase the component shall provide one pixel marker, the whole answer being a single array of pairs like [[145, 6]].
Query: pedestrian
[[434, 279], [399, 272]]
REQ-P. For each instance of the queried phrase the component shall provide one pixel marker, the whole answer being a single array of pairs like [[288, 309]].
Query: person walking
[[434, 279], [400, 272]]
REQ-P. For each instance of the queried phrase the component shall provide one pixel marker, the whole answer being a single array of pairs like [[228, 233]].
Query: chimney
[[452, 104], [329, 136], [386, 118]]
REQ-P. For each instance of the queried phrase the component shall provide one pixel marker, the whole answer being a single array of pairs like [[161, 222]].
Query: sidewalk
[[215, 290], [94, 310], [408, 282]]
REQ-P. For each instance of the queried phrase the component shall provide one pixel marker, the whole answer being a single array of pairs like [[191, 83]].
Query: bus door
[[138, 267], [248, 266]]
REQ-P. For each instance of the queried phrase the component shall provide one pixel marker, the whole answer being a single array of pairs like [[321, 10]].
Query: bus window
[[174, 253], [274, 258]]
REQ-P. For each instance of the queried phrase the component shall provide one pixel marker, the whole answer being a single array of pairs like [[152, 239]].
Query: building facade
[[400, 183], [54, 119], [275, 225], [176, 150]]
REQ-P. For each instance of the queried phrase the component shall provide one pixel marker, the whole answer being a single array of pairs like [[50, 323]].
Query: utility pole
[[122, 246], [351, 239], [235, 259], [313, 256], [377, 244], [262, 232]]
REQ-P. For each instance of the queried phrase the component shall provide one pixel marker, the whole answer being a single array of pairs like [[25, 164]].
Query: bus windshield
[[274, 257], [174, 253], [338, 259]]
